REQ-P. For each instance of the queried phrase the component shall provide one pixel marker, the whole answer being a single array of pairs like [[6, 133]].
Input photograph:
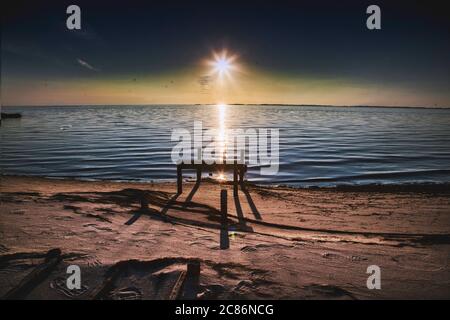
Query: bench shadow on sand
[[166, 201]]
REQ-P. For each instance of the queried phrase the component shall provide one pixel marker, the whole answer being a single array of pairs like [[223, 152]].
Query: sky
[[283, 52]]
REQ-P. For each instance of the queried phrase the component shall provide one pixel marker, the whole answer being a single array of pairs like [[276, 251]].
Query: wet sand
[[275, 243]]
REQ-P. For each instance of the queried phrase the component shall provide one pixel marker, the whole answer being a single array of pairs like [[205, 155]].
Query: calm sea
[[318, 145]]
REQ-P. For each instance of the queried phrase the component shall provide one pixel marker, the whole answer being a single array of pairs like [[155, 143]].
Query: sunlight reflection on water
[[318, 145]]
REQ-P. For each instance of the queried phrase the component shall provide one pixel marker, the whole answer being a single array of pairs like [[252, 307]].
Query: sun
[[223, 64]]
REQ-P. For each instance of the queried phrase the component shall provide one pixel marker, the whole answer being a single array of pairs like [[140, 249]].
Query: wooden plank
[[178, 287], [238, 169], [212, 167], [35, 277], [187, 283]]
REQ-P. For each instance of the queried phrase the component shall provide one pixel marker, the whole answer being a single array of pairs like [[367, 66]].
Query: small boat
[[10, 115]]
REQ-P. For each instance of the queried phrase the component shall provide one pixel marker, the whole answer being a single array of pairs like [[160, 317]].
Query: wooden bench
[[238, 169]]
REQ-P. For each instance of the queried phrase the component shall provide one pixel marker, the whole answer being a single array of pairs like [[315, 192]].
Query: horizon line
[[230, 104]]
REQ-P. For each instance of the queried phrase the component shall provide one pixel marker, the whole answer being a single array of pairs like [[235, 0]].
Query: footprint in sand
[[419, 262], [63, 218], [103, 228], [265, 246], [164, 234], [167, 230], [17, 211], [205, 238], [60, 285], [128, 293], [97, 227], [358, 258], [89, 225], [329, 291], [140, 233], [329, 255], [195, 243], [248, 249]]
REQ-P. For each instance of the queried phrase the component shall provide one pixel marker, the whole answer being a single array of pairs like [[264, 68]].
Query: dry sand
[[279, 243]]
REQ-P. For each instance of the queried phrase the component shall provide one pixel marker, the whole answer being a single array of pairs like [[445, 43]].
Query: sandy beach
[[133, 240]]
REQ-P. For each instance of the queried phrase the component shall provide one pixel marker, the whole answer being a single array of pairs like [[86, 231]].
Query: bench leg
[[199, 175], [223, 204], [235, 175], [241, 175], [179, 180]]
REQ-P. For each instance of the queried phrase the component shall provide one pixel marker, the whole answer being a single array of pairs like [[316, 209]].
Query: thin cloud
[[86, 65]]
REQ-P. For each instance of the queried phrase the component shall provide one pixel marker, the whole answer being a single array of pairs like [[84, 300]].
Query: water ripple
[[318, 145]]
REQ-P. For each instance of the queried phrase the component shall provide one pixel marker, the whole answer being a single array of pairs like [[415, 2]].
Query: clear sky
[[291, 52]]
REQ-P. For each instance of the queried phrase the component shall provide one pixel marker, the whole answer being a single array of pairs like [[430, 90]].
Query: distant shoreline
[[414, 187], [229, 104]]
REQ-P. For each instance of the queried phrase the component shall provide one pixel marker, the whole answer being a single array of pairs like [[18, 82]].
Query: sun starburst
[[223, 64]]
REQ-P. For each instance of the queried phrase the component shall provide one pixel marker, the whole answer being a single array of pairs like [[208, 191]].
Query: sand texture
[[135, 240]]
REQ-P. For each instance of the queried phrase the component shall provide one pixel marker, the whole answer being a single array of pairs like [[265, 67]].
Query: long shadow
[[134, 218], [169, 204], [126, 197], [250, 202], [142, 211], [130, 197], [224, 239], [237, 204], [193, 191]]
